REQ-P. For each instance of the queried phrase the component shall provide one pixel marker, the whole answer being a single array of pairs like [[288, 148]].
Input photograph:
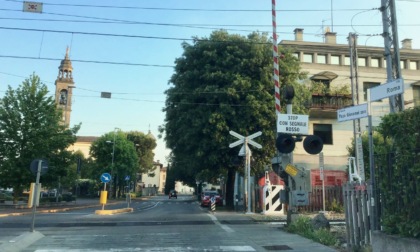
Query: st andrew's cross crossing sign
[[248, 139]]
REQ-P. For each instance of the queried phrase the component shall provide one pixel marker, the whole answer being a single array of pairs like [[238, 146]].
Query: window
[[325, 78], [402, 64], [361, 61], [307, 58], [324, 131], [374, 62], [347, 61], [366, 86], [295, 55], [413, 65], [416, 95], [335, 60], [321, 59]]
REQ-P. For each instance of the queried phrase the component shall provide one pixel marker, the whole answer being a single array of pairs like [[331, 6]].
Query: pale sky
[[143, 38]]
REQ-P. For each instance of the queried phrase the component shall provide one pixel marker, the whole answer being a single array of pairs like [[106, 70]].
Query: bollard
[[213, 206]]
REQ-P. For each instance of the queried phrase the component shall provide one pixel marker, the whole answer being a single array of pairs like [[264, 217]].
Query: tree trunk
[[230, 188]]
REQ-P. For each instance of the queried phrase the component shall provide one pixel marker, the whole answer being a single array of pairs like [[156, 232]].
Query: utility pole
[[392, 51], [354, 77]]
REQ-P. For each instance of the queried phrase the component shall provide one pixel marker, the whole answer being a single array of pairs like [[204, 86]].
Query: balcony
[[326, 105]]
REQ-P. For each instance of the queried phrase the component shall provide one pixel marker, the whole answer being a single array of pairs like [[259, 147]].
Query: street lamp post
[[112, 164]]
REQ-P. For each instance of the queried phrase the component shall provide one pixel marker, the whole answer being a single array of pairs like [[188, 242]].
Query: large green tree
[[145, 144], [31, 128], [223, 83], [115, 154]]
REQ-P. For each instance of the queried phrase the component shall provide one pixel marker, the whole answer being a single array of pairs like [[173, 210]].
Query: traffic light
[[285, 143]]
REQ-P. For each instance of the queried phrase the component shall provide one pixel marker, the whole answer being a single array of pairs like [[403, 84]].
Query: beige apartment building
[[329, 63]]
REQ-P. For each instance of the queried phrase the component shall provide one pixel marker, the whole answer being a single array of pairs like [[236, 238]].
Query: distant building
[[83, 144], [152, 182], [329, 63]]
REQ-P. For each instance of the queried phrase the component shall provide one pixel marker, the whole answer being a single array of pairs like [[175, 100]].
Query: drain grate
[[277, 247]]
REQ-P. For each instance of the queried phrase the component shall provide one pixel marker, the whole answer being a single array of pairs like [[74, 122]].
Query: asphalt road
[[158, 224]]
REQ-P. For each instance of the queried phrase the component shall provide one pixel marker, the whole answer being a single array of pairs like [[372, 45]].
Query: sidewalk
[[12, 210]]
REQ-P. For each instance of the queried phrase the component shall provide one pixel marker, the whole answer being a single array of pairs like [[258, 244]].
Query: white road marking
[[216, 221], [154, 249]]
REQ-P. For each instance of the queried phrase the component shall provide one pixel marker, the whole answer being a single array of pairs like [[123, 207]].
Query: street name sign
[[392, 88], [293, 124], [352, 113]]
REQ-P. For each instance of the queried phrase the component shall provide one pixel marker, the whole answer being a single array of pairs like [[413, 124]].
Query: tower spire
[[63, 87]]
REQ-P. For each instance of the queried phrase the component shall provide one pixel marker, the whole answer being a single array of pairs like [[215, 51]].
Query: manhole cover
[[277, 247]]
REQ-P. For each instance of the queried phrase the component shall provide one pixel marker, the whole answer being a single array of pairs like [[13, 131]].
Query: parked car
[[206, 198], [173, 194]]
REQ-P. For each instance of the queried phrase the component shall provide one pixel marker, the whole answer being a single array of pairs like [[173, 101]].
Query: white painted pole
[[249, 178], [38, 175]]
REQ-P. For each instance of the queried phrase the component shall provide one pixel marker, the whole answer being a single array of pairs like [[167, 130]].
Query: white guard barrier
[[272, 204]]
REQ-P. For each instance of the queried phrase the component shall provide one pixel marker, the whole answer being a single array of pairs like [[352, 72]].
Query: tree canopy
[[144, 144], [31, 128], [115, 154], [220, 84]]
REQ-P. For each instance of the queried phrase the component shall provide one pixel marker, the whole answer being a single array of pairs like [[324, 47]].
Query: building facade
[[329, 63]]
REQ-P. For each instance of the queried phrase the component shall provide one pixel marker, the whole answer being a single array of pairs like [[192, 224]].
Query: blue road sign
[[127, 178], [105, 177]]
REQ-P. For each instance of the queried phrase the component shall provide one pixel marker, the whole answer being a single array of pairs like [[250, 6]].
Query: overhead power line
[[86, 61], [186, 9]]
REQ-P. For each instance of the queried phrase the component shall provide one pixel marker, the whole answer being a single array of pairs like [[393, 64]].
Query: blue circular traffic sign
[[106, 177]]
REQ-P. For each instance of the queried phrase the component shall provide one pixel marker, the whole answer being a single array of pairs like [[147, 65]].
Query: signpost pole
[[103, 205], [321, 176], [371, 165], [38, 175], [248, 156]]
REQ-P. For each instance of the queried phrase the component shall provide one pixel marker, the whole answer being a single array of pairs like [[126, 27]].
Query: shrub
[[324, 236], [335, 206], [68, 197], [302, 226]]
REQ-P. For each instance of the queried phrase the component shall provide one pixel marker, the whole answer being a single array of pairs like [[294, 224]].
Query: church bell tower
[[63, 88]]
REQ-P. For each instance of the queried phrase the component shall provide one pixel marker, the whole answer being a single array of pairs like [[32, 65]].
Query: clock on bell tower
[[63, 88]]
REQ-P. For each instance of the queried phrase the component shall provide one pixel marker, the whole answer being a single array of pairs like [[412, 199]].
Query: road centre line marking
[[216, 221]]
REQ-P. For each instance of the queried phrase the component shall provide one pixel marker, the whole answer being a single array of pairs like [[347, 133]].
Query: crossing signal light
[[285, 143], [313, 144]]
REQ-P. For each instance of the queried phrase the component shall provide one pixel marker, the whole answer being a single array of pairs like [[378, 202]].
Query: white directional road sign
[[293, 124], [352, 113], [386, 90]]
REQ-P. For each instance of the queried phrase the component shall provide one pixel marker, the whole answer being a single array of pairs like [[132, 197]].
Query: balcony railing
[[328, 101]]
